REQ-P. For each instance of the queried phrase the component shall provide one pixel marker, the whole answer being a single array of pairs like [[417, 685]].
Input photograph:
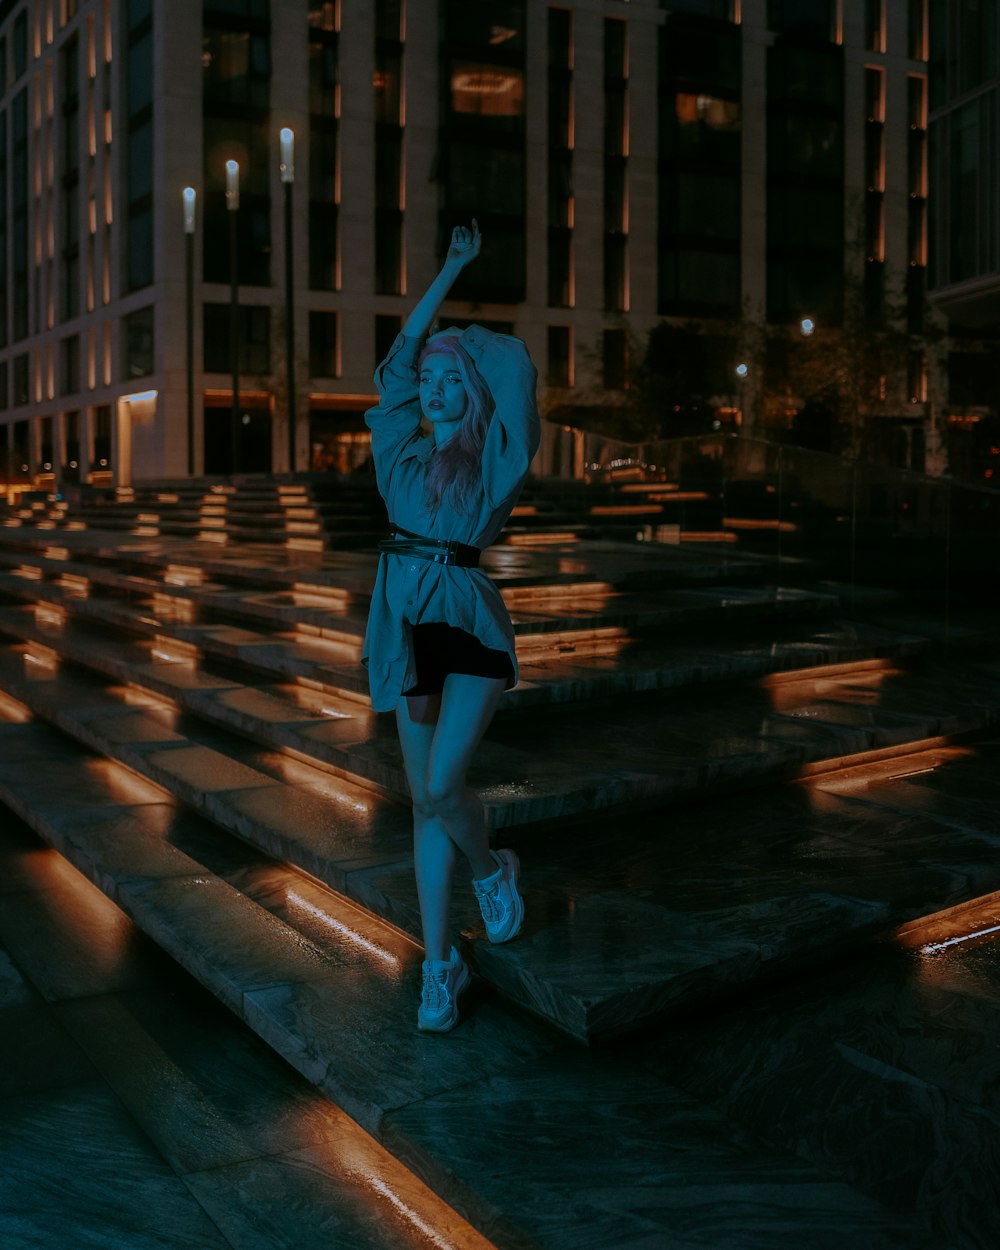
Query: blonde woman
[[439, 647]]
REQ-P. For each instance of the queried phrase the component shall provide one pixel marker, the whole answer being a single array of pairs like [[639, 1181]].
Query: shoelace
[[435, 995], [489, 902]]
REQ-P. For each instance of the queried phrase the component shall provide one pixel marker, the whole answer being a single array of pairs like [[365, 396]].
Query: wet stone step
[[424, 1098], [624, 566], [284, 807], [577, 665], [595, 629], [659, 751]]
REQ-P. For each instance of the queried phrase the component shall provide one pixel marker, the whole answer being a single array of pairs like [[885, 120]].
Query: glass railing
[[863, 524]]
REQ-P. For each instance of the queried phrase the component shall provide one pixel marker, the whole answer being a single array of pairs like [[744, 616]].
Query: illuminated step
[[317, 982]]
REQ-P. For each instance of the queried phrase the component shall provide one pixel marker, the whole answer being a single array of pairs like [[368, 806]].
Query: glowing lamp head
[[232, 185], [287, 165], [190, 199]]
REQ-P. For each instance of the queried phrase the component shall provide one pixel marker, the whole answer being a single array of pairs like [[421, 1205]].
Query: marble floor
[[856, 1105], [137, 1114]]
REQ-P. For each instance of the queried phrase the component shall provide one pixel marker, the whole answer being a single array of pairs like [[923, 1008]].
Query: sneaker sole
[[447, 1023]]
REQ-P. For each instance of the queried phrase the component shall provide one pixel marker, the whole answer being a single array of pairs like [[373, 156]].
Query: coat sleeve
[[395, 421], [514, 431]]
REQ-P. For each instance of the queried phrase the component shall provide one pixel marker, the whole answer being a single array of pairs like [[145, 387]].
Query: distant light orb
[[807, 326], [742, 369]]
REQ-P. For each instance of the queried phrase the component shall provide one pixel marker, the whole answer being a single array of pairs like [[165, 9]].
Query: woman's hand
[[465, 244]]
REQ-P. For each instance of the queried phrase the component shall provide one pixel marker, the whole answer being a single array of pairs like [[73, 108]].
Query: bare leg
[[433, 850], [439, 736], [467, 707]]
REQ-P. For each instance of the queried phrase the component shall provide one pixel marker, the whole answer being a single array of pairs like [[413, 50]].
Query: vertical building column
[[421, 114], [855, 175], [588, 180], [178, 162], [753, 224], [897, 146], [753, 184], [642, 166], [536, 163], [357, 175]]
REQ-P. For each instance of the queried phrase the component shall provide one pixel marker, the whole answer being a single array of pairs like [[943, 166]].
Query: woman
[[439, 647]]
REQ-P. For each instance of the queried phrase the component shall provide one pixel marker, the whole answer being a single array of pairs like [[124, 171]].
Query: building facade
[[965, 240], [736, 164]]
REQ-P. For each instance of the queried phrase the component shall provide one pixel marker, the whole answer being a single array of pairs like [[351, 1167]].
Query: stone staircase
[[660, 769]]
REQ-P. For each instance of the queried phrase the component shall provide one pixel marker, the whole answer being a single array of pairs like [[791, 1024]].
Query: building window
[[69, 365], [20, 42], [615, 359], [71, 445], [615, 165], [138, 266], [4, 327], [237, 65], [255, 339], [246, 141], [236, 84], [874, 240], [481, 151], [324, 114], [805, 179], [560, 356], [811, 18], [700, 123], [721, 10], [138, 344], [22, 379], [323, 344], [101, 425], [560, 144], [389, 276], [19, 195], [917, 14], [46, 433], [387, 328], [875, 25]]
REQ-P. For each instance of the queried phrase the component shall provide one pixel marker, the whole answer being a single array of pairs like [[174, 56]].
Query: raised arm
[[464, 249]]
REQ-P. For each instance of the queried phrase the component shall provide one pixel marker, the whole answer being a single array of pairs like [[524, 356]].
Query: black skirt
[[440, 649]]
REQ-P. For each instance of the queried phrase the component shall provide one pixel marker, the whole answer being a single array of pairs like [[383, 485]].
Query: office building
[[722, 162]]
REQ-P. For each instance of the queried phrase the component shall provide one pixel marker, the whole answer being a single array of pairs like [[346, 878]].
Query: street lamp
[[190, 198], [232, 205], [288, 178], [742, 372]]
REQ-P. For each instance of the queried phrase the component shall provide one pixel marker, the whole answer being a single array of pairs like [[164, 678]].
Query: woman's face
[[443, 398]]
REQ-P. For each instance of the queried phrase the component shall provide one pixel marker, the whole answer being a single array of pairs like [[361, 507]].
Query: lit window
[[709, 110], [486, 90]]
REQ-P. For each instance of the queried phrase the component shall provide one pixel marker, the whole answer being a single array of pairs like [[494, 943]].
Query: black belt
[[440, 550]]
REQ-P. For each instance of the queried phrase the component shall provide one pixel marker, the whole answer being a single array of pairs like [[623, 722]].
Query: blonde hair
[[454, 471]]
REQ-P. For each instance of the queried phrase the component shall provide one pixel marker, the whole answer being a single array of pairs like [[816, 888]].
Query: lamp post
[[288, 178], [742, 372], [232, 205], [190, 199]]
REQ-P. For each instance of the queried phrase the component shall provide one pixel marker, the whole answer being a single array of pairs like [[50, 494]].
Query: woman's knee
[[446, 794], [423, 808]]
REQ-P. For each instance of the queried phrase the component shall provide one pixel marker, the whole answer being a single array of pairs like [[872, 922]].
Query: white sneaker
[[444, 980], [499, 899]]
